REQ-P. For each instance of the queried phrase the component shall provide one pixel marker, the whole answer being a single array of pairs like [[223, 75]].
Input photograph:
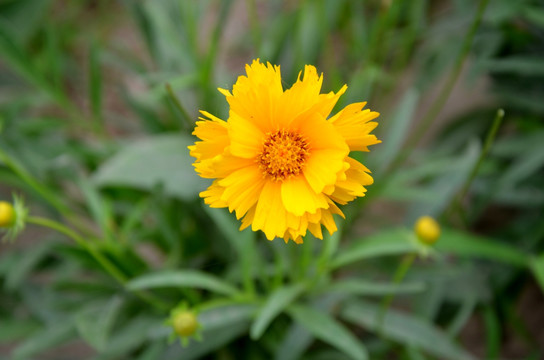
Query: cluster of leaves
[[97, 103]]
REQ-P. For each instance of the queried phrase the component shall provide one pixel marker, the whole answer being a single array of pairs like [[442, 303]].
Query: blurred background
[[97, 103]]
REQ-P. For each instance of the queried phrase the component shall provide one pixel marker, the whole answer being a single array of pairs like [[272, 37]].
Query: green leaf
[[537, 267], [146, 28], [328, 354], [398, 128], [160, 160], [55, 334], [413, 353], [98, 207], [242, 241], [405, 329], [95, 82], [464, 244], [26, 262], [310, 27], [182, 278], [446, 186], [327, 329], [94, 323], [366, 288], [153, 351], [28, 15], [525, 166], [220, 316], [493, 334], [15, 329], [213, 339], [126, 338], [295, 342], [519, 65], [464, 314], [274, 305], [388, 242], [534, 14]]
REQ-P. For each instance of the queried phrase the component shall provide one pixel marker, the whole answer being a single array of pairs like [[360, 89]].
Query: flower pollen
[[284, 154]]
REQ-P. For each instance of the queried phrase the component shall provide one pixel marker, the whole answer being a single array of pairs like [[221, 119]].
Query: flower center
[[283, 155]]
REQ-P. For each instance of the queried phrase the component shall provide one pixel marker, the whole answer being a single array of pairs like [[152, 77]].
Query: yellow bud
[[185, 323], [427, 230], [7, 214]]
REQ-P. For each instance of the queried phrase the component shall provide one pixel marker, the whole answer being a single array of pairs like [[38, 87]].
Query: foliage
[[97, 103]]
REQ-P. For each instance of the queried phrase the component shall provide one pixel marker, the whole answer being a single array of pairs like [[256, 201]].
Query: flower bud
[[427, 230], [7, 215], [185, 323], [12, 218]]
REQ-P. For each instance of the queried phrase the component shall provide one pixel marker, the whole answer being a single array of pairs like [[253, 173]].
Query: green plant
[[97, 104]]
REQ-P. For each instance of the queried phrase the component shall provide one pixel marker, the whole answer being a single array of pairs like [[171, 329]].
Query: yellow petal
[[299, 198], [355, 125], [214, 135], [212, 195], [302, 96], [242, 189], [254, 96], [270, 215], [321, 168], [246, 139]]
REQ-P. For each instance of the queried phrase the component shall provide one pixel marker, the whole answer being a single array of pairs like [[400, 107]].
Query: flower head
[[12, 218], [427, 230], [184, 323], [279, 161]]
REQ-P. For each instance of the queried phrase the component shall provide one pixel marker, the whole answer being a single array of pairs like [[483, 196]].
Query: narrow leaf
[[398, 127], [537, 267], [366, 288], [94, 323], [327, 329], [95, 83], [26, 262], [464, 244], [295, 342], [47, 338], [389, 242], [405, 329], [161, 160], [182, 278], [273, 306]]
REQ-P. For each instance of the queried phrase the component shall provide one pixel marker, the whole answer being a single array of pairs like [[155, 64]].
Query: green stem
[[457, 203], [103, 261], [24, 175], [208, 63], [306, 257], [437, 106], [399, 275], [490, 138], [110, 268], [180, 107], [254, 24], [277, 280], [247, 268]]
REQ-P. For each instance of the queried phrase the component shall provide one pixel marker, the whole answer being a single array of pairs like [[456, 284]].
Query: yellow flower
[[279, 162], [427, 230]]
